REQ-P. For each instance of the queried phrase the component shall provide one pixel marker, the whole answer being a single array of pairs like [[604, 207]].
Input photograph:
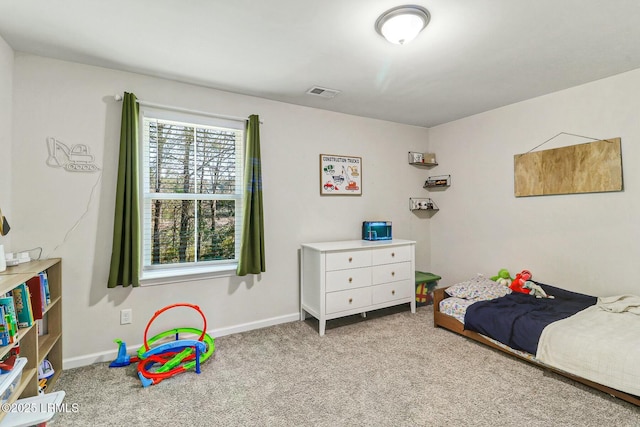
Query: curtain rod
[[186, 110]]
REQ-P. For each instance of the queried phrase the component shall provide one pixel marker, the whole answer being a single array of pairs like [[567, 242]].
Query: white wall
[[74, 104], [6, 122], [583, 242]]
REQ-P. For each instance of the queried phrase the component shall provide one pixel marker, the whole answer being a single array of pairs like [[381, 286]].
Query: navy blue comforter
[[517, 319]]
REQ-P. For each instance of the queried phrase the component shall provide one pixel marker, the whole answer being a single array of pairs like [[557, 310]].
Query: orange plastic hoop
[[182, 304]]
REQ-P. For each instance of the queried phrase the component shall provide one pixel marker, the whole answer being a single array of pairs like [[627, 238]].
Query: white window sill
[[177, 275]]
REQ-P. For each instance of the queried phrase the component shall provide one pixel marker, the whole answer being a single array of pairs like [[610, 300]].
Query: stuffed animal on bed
[[503, 277], [536, 290], [518, 282]]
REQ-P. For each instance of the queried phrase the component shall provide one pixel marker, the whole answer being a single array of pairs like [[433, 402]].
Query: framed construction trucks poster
[[340, 175]]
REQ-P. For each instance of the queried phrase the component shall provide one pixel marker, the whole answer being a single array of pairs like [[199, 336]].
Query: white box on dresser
[[342, 278]]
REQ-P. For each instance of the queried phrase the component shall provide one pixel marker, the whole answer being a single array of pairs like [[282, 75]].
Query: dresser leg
[[303, 314], [321, 326], [364, 314], [413, 306]]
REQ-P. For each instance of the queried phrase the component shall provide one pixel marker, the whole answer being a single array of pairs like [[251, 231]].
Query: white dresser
[[349, 277]]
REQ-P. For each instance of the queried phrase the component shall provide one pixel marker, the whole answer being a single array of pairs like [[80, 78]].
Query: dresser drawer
[[348, 259], [340, 280], [392, 291], [348, 300], [391, 272], [391, 254]]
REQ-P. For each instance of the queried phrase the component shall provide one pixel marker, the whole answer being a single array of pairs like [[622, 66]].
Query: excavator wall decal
[[73, 159]]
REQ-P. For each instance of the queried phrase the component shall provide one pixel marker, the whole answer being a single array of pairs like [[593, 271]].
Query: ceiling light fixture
[[402, 24]]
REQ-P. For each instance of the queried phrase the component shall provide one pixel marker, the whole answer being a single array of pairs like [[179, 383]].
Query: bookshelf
[[36, 347]]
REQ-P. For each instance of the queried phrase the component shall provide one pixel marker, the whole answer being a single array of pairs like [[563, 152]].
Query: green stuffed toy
[[503, 277]]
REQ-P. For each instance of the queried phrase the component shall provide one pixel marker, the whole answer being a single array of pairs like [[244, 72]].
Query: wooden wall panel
[[584, 168]]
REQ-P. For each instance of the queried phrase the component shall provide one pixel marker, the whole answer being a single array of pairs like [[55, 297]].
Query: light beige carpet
[[391, 369]]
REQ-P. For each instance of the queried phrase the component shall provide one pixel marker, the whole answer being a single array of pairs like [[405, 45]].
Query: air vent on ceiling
[[323, 92]]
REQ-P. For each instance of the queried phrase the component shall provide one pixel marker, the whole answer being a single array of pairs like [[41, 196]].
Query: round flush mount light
[[402, 24]]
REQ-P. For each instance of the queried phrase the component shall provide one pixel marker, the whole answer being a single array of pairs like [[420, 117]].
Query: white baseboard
[[109, 356], [255, 325]]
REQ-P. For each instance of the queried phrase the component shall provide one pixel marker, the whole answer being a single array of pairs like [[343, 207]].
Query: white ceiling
[[474, 56]]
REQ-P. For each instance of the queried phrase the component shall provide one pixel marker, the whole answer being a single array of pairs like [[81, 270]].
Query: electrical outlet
[[125, 316]]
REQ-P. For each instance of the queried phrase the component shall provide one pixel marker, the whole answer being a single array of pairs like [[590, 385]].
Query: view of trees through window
[[191, 199]]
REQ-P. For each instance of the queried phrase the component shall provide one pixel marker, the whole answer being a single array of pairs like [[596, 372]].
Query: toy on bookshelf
[[42, 385], [7, 364], [45, 370]]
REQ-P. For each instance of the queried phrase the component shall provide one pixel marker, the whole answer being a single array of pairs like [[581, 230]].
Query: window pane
[[172, 231], [216, 230], [199, 160], [170, 158], [216, 161]]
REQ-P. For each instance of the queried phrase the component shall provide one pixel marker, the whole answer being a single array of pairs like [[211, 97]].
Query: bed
[[594, 341]]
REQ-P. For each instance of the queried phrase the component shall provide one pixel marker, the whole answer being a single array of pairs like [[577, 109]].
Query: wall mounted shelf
[[422, 159], [422, 204], [424, 164], [438, 181]]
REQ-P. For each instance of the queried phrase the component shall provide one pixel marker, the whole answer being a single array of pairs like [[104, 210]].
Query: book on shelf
[[4, 328], [44, 280], [22, 302], [10, 316], [36, 295], [41, 326]]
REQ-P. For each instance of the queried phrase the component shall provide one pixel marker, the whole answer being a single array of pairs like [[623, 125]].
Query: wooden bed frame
[[452, 324]]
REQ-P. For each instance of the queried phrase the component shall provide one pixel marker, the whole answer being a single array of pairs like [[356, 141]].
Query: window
[[191, 193]]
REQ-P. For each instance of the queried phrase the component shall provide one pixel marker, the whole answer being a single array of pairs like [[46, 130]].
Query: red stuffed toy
[[518, 283]]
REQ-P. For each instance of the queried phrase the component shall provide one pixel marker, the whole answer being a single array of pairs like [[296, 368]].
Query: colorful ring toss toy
[[158, 362]]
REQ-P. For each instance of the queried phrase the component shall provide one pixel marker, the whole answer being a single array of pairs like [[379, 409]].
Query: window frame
[[197, 270]]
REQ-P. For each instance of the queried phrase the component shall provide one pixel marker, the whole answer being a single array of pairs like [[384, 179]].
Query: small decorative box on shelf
[[438, 181], [427, 204], [422, 159]]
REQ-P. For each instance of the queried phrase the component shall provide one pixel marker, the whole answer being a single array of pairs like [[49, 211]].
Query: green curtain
[[252, 260], [125, 254]]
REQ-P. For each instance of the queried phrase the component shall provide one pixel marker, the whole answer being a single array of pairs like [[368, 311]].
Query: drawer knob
[[350, 259], [393, 273], [393, 254], [350, 300], [393, 292], [350, 279]]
